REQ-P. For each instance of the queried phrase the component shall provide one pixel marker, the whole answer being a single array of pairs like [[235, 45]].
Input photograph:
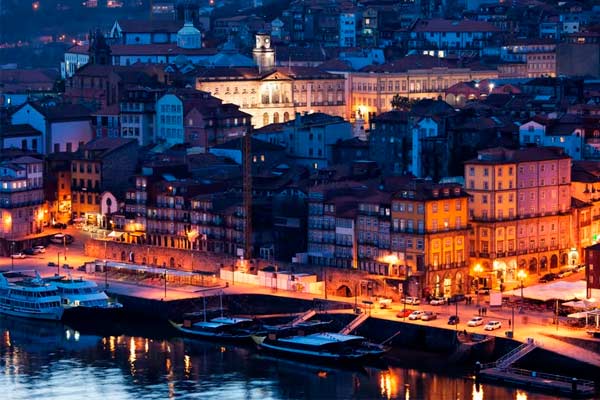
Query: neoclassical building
[[274, 94]]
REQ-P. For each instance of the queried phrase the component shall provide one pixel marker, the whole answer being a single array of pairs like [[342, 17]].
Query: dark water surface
[[52, 361]]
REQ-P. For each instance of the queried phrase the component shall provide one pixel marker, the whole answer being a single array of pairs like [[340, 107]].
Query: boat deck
[[541, 381]]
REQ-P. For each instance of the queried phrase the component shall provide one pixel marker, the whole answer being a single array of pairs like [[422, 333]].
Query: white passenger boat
[[29, 297], [83, 298], [322, 347]]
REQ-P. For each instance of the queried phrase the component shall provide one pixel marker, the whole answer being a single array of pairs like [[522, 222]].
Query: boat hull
[[210, 336], [320, 357], [54, 315], [83, 313]]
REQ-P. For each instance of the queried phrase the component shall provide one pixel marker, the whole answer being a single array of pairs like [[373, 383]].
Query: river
[[50, 361]]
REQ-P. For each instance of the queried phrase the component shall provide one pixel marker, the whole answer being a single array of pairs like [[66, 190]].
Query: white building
[[347, 30], [570, 138], [426, 127], [73, 61], [169, 119], [64, 127]]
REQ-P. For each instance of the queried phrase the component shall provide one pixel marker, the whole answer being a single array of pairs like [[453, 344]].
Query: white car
[[39, 249], [493, 325], [18, 255], [412, 300], [475, 321], [416, 315], [437, 301]]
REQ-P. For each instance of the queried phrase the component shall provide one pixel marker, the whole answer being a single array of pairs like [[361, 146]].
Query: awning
[[115, 234], [581, 304]]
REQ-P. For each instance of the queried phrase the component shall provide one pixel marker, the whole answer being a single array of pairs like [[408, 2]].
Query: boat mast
[[204, 301], [221, 302]]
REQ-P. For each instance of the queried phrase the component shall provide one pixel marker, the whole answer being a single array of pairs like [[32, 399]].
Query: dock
[[563, 385]]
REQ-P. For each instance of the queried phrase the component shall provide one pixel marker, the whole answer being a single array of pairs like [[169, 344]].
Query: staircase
[[355, 323], [516, 354], [303, 317]]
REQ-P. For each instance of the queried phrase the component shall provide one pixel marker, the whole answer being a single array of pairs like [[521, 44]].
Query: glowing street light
[[478, 269], [521, 275]]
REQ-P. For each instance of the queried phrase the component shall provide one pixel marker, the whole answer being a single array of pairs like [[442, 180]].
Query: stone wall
[[339, 281]]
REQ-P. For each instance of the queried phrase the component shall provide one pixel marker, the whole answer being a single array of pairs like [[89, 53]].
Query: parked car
[[547, 278], [493, 325], [39, 249], [29, 252], [437, 301], [18, 255], [52, 264], [565, 272], [578, 268], [67, 266], [416, 315], [412, 300], [457, 298], [453, 320], [483, 290], [404, 313], [475, 321], [59, 225], [428, 316]]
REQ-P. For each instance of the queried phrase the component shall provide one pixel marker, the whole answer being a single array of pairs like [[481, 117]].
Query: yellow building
[[85, 189], [519, 211], [585, 189], [274, 94], [430, 232], [414, 77]]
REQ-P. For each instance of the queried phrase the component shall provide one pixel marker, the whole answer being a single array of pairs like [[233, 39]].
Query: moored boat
[[220, 329], [29, 297], [321, 347], [83, 299]]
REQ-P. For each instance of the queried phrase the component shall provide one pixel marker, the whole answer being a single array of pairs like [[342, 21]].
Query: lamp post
[[12, 259], [105, 274], [522, 275], [477, 269], [58, 263], [165, 282]]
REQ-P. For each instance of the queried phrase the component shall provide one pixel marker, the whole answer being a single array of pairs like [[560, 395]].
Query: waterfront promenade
[[537, 325]]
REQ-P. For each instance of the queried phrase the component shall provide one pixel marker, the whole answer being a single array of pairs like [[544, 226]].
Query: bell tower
[[263, 54]]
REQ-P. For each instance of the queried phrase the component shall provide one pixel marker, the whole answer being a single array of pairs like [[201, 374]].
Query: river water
[[53, 361]]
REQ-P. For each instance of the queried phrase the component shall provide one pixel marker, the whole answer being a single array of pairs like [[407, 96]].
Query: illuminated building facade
[[429, 235], [520, 213]]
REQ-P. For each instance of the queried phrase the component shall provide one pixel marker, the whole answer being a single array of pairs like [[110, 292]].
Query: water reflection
[[44, 361]]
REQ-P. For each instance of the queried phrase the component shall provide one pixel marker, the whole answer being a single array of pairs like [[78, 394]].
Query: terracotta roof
[[447, 25], [148, 50], [257, 145], [62, 112], [157, 25], [336, 64], [410, 62], [27, 79], [501, 155], [107, 145], [18, 130]]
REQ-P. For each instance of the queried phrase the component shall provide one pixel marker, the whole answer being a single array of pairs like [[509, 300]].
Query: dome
[[188, 37]]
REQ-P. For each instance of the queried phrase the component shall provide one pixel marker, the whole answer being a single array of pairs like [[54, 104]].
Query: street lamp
[[12, 259], [165, 282], [522, 275], [478, 270], [58, 263]]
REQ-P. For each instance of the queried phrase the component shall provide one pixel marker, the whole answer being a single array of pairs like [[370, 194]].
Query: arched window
[[265, 119], [276, 118], [286, 116]]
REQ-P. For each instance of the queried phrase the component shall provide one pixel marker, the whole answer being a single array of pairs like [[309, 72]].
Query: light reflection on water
[[49, 361]]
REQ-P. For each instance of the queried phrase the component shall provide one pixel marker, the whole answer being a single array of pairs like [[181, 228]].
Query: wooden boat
[[220, 329], [322, 347]]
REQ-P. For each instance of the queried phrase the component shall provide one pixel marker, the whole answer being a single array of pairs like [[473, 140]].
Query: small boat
[[83, 299], [29, 297], [220, 329], [294, 328], [322, 347]]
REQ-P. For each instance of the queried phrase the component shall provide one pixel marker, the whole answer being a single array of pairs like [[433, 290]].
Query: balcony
[[500, 254], [521, 252], [484, 254], [512, 253]]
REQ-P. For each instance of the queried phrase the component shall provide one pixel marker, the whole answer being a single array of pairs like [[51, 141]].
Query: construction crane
[[247, 191]]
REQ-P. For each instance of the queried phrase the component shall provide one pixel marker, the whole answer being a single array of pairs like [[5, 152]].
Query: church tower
[[99, 49], [263, 54]]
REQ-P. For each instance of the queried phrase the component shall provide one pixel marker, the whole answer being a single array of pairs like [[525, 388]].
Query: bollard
[[477, 369], [574, 385]]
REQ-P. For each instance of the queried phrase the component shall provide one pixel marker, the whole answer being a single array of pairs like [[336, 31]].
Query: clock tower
[[263, 54]]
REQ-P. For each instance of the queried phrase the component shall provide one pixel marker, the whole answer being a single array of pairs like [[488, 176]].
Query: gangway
[[513, 356], [355, 323], [303, 317]]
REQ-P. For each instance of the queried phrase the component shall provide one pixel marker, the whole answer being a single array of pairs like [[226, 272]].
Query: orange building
[[429, 235]]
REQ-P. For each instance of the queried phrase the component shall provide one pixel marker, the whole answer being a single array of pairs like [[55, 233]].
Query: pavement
[[534, 324]]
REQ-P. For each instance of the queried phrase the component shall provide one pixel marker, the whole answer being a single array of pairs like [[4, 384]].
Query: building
[[520, 213], [414, 77], [20, 136], [64, 127], [579, 55], [585, 189], [22, 202], [443, 37], [592, 267], [273, 94], [560, 133], [100, 171], [347, 30], [429, 237]]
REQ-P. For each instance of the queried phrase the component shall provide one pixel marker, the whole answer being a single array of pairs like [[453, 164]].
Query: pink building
[[519, 212]]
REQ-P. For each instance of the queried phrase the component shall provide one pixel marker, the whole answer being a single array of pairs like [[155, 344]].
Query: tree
[[401, 103]]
